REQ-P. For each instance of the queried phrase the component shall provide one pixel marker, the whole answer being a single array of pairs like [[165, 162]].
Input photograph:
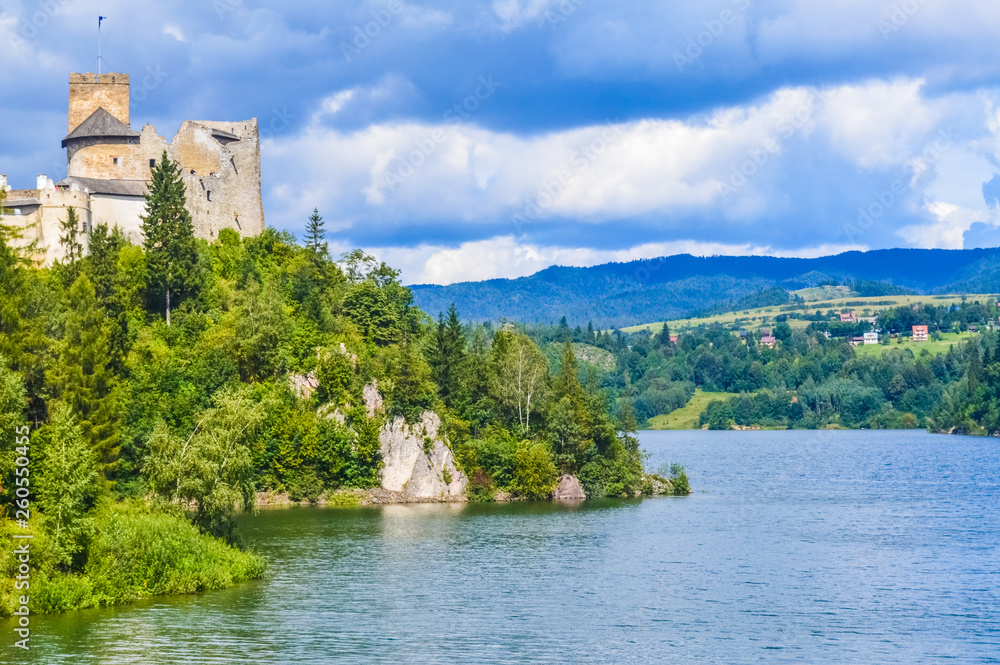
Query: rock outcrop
[[372, 398], [303, 385], [417, 463], [569, 489]]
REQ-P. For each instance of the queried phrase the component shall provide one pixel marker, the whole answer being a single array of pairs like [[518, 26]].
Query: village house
[[871, 338], [919, 333]]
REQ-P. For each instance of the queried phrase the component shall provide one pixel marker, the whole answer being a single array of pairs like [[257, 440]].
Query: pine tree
[[102, 268], [70, 238], [82, 377], [664, 337], [449, 357], [66, 484], [171, 253], [315, 233]]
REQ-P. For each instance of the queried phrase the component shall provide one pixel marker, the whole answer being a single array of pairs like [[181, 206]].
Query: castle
[[108, 167]]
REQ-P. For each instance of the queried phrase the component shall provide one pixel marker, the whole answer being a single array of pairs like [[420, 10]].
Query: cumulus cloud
[[731, 170], [775, 124]]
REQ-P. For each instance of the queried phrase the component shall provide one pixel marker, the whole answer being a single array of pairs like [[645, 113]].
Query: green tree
[[413, 391], [171, 253], [82, 377], [263, 327], [315, 234], [520, 375], [663, 338], [102, 267], [449, 358], [535, 474], [213, 466], [66, 482], [371, 310], [72, 248], [13, 402]]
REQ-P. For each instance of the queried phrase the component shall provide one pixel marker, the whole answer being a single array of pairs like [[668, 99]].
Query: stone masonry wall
[[89, 92]]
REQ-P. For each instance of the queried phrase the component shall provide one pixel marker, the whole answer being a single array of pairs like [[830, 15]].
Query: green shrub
[[535, 473], [136, 552]]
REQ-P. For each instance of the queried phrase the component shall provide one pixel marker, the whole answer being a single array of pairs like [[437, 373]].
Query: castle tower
[[100, 141], [89, 92]]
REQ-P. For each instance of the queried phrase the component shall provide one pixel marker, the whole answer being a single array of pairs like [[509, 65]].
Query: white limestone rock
[[418, 463]]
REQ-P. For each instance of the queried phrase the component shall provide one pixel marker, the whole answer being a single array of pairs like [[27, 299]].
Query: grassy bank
[[133, 552], [687, 416]]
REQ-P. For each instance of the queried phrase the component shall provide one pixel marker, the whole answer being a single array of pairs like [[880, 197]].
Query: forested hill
[[620, 294]]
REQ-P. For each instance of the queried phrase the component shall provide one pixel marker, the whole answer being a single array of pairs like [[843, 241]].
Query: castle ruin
[[108, 167]]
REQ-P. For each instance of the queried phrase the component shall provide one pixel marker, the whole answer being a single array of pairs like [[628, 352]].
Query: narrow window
[[114, 160], [152, 163], [209, 195]]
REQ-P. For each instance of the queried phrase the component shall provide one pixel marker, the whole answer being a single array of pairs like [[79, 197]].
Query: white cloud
[[175, 32], [948, 228], [514, 13], [505, 257], [599, 173]]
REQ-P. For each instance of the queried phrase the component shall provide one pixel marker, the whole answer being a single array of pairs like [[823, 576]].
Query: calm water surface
[[825, 547]]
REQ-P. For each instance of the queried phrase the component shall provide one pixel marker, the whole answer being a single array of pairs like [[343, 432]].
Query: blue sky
[[470, 139]]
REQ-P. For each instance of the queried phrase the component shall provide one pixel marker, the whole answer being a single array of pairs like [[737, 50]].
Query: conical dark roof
[[100, 124]]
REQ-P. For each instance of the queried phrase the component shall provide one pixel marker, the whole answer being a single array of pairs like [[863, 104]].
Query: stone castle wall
[[221, 176], [41, 226], [220, 167], [89, 92]]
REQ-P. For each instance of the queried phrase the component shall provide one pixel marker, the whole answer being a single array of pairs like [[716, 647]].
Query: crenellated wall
[[89, 92]]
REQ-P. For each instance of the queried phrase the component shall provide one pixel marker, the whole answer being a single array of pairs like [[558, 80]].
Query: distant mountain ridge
[[622, 294]]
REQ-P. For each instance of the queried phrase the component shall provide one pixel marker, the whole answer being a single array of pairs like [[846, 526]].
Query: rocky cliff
[[418, 463]]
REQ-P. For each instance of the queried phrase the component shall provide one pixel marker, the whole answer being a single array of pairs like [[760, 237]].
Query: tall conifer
[[83, 379], [171, 254], [315, 233]]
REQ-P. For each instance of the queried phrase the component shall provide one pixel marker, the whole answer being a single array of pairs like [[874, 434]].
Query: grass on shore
[[687, 416], [134, 552]]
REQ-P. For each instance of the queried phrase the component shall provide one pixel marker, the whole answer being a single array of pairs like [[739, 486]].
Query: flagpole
[[99, 58]]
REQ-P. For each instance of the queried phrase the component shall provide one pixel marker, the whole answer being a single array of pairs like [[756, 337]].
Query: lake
[[805, 547]]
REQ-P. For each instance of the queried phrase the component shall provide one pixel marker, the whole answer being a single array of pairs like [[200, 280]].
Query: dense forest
[[146, 396], [637, 292], [811, 378]]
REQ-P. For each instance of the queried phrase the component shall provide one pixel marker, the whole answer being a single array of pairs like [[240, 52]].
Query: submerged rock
[[569, 489], [418, 464]]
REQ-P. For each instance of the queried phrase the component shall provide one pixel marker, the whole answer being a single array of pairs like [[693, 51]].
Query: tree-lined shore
[[161, 385]]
